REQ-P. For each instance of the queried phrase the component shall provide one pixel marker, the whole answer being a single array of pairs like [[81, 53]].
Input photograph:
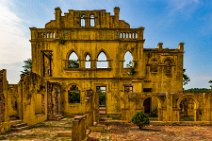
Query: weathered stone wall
[[153, 69], [4, 108], [33, 105], [2, 97]]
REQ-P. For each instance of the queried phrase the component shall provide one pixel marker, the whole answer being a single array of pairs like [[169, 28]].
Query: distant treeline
[[198, 90]]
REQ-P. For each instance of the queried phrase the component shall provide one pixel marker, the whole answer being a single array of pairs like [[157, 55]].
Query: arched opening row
[[128, 35], [102, 61], [47, 35], [83, 20]]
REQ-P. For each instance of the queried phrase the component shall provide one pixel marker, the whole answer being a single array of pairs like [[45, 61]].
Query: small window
[[87, 61], [102, 61], [121, 35], [74, 94], [92, 20], [128, 89], [73, 61], [147, 89], [128, 60], [126, 35], [82, 21]]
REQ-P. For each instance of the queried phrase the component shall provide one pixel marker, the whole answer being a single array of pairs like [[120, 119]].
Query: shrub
[[141, 119]]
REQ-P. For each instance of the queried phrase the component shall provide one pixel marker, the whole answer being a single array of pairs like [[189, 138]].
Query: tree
[[27, 66], [210, 81], [186, 79]]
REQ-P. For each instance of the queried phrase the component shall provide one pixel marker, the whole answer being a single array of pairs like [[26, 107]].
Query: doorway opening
[[101, 91], [187, 109]]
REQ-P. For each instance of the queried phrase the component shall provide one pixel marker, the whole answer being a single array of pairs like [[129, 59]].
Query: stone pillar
[[169, 107], [79, 128], [58, 16]]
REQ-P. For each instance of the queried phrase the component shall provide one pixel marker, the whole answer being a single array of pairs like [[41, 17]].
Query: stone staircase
[[17, 125], [57, 117]]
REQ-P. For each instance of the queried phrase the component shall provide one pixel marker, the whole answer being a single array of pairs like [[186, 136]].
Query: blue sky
[[167, 21]]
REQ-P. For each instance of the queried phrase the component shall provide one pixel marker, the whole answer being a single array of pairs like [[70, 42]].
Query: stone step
[[57, 117], [20, 128], [12, 122], [19, 125], [102, 110]]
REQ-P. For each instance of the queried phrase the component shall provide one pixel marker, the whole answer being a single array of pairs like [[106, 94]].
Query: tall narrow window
[[82, 20], [102, 61], [168, 67], [154, 66], [73, 61], [87, 61], [74, 95], [92, 20], [101, 90], [128, 60]]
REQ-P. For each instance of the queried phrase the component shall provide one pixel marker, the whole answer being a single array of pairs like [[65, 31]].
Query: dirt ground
[[129, 132], [45, 131], [61, 131]]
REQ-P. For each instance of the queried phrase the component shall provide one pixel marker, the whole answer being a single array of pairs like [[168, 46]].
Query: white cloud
[[15, 46], [182, 4]]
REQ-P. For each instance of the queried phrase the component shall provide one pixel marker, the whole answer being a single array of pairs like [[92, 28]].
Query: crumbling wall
[[4, 118], [33, 90], [2, 97]]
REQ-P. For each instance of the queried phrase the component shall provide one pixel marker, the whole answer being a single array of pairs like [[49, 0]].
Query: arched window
[[73, 61], [74, 95], [87, 61], [126, 35], [154, 66], [128, 60], [92, 20], [136, 35], [121, 35], [168, 67], [130, 35], [102, 61], [82, 20]]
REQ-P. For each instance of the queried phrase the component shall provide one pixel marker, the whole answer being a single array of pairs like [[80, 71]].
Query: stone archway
[[188, 106]]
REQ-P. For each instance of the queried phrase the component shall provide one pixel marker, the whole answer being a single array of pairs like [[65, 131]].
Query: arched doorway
[[150, 105], [187, 109]]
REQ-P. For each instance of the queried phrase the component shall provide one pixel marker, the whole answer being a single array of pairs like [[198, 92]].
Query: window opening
[[92, 20], [168, 67], [147, 89], [154, 66], [73, 61], [102, 61], [128, 60], [82, 21], [74, 94], [87, 61], [101, 90], [128, 89]]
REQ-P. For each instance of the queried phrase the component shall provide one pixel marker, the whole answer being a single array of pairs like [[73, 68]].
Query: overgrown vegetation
[[198, 90], [210, 82], [73, 64], [141, 119]]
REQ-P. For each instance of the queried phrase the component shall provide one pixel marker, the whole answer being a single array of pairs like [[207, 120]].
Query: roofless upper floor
[[87, 25], [87, 19]]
